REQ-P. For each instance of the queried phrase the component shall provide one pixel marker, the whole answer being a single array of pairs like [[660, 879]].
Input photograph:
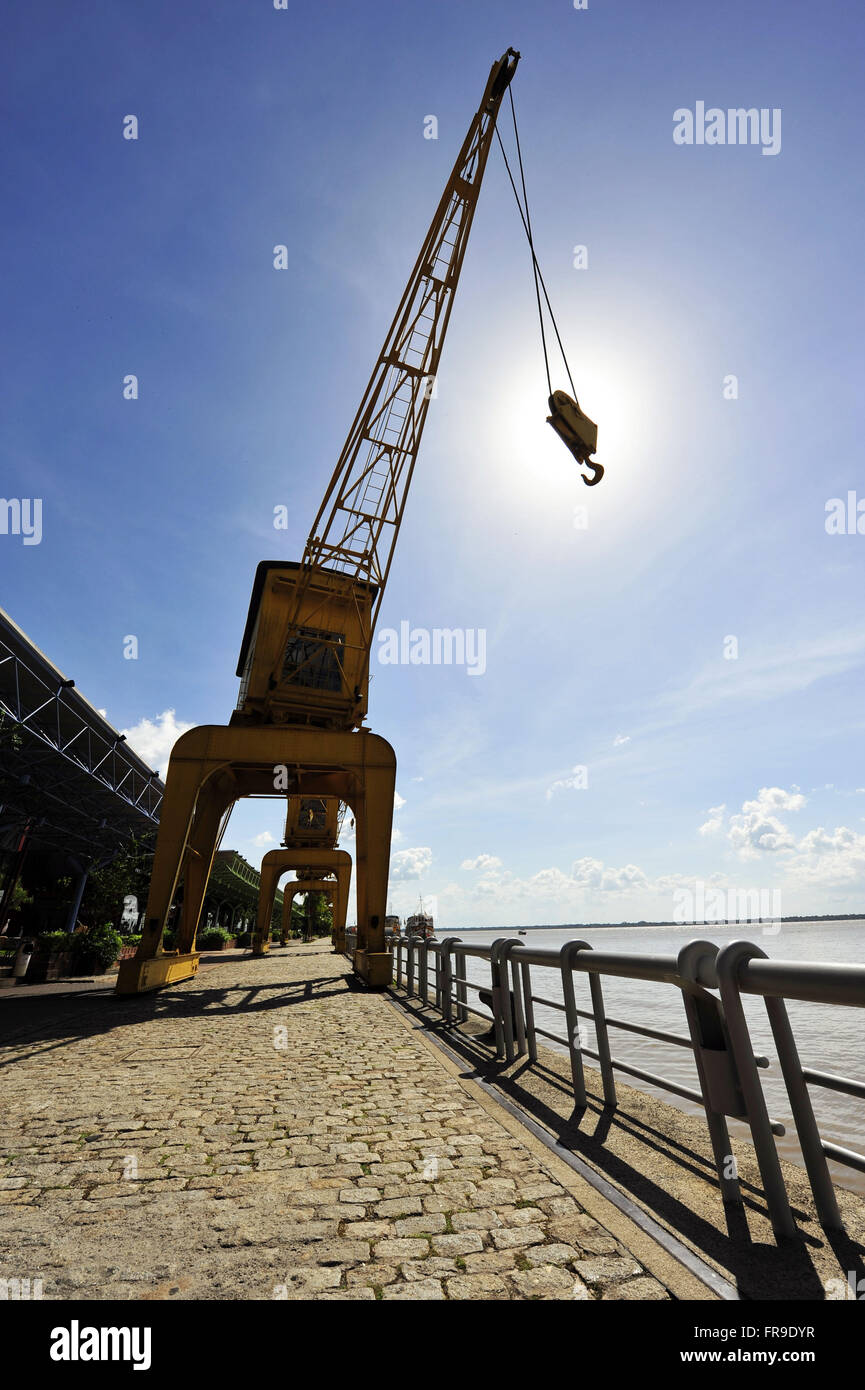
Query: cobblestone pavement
[[271, 1130]]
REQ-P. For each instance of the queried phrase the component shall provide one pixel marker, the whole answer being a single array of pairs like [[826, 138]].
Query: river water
[[829, 1038]]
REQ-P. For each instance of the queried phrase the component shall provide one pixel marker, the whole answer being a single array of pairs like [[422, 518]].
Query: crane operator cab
[[578, 432]]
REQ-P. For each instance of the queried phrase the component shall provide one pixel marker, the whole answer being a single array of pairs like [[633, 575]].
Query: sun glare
[[616, 392]]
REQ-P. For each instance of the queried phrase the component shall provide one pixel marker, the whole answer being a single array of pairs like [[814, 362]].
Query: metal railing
[[718, 1036]]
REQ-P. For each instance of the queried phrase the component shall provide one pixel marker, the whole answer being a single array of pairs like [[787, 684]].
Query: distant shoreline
[[720, 922]]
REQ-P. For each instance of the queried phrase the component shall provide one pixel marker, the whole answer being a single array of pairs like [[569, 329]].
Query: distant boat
[[522, 933], [420, 924]]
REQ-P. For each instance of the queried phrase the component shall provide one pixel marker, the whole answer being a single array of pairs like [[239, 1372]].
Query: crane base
[[375, 968], [137, 976]]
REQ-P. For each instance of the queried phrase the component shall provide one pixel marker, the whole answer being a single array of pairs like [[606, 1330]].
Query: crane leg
[[201, 847], [288, 897], [266, 898], [188, 827], [340, 909], [214, 765], [373, 817]]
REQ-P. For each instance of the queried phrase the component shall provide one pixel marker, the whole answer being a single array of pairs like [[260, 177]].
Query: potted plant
[[212, 939], [51, 957], [96, 949]]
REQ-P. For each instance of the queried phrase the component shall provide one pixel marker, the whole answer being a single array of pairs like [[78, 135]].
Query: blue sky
[[605, 643]]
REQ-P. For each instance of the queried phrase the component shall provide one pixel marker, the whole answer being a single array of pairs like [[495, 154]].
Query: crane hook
[[577, 431]]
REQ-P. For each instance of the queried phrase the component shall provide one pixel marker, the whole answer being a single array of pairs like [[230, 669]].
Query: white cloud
[[592, 873], [715, 821], [776, 799], [398, 801], [483, 861], [751, 834], [574, 891], [153, 739], [830, 859], [755, 830], [578, 780], [587, 873], [265, 838], [620, 739], [410, 863]]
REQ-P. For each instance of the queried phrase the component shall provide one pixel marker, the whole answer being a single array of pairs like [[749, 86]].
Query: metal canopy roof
[[62, 765]]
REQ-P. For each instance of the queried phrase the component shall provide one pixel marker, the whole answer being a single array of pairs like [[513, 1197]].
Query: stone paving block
[[477, 1286], [372, 1274], [635, 1290], [333, 1295], [368, 1230], [547, 1281], [400, 1206], [607, 1269], [402, 1248], [552, 1254], [433, 1268], [483, 1221], [430, 1224], [463, 1243], [425, 1289], [303, 1283], [491, 1261], [512, 1238]]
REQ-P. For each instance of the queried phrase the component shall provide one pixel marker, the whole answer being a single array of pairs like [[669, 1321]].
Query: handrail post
[[423, 947], [703, 1016], [803, 1116], [727, 966], [516, 986], [605, 1060], [529, 1011], [569, 951], [497, 1004], [501, 954], [409, 951], [434, 947], [800, 1103], [446, 974], [462, 996]]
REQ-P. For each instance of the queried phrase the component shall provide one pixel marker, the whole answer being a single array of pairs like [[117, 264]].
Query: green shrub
[[212, 937], [51, 943], [245, 940], [96, 946], [168, 939], [131, 940]]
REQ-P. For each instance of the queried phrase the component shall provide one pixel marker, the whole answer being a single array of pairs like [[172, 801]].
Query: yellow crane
[[304, 660]]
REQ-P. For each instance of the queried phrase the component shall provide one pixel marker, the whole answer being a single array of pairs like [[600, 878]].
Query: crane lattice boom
[[357, 524]]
